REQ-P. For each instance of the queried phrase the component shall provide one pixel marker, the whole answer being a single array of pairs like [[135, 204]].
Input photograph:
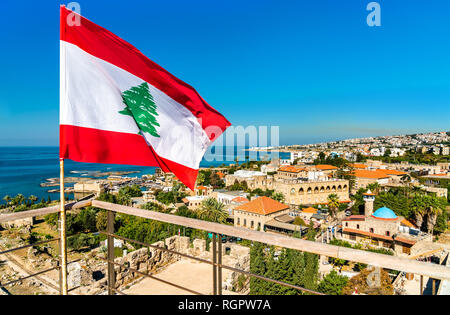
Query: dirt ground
[[186, 273]]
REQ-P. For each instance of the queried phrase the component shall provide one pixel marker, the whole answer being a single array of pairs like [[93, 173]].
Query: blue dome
[[384, 213]]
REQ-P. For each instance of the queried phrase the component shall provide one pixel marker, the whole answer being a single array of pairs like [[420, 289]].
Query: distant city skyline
[[313, 68]]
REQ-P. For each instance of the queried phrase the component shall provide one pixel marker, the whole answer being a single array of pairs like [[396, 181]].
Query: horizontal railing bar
[[36, 274], [9, 217], [157, 247], [212, 263], [115, 290], [74, 288], [37, 243], [151, 277], [29, 276], [374, 259], [29, 245], [282, 283]]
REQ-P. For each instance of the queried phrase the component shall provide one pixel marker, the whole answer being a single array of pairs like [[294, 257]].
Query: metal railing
[[378, 260]]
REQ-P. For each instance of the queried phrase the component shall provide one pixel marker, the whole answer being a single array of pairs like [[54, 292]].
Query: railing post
[[219, 271], [62, 232], [214, 241], [421, 284], [111, 273], [59, 244], [434, 286]]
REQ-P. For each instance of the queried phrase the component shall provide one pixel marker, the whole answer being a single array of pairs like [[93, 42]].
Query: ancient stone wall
[[151, 260]]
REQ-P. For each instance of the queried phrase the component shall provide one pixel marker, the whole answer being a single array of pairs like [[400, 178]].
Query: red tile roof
[[290, 169], [355, 217], [391, 172], [263, 205], [360, 166], [309, 210], [240, 199], [407, 223], [325, 167], [369, 174]]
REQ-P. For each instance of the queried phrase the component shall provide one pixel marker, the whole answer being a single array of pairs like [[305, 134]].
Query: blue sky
[[314, 68]]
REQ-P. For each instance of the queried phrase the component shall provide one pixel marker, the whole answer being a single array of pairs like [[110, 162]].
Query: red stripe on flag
[[90, 145], [107, 46]]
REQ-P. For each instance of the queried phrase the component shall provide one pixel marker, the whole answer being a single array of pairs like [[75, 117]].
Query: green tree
[[333, 204], [86, 220], [33, 199], [142, 107], [19, 199], [333, 283], [278, 196], [212, 210], [7, 199], [101, 221], [257, 266], [374, 187], [299, 221], [81, 241]]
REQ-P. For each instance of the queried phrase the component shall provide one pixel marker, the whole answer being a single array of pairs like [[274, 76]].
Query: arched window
[[322, 189], [328, 188], [301, 191], [339, 188], [292, 191], [316, 190], [309, 190]]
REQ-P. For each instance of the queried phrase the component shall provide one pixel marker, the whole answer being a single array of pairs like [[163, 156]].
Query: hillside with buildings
[[349, 193]]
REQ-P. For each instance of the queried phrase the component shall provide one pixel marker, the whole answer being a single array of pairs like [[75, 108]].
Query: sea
[[23, 169]]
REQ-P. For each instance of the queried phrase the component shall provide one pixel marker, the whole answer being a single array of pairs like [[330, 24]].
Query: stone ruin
[[151, 260], [91, 275]]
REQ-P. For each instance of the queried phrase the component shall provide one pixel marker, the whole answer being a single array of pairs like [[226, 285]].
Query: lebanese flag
[[119, 107]]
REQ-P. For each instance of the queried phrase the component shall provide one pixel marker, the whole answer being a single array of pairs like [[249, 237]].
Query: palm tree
[[213, 210], [375, 187], [418, 208], [432, 214], [18, 199], [333, 204], [33, 199], [434, 206], [7, 199], [406, 181]]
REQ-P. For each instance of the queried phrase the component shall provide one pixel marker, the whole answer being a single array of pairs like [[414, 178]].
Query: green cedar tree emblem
[[141, 106]]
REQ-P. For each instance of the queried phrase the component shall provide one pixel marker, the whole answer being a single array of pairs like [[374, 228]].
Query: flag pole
[[62, 209], [62, 230]]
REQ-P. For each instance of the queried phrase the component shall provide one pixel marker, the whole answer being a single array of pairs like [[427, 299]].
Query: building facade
[[381, 229], [312, 192], [256, 213]]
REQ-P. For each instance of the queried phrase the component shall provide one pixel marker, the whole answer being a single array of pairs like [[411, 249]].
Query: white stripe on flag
[[92, 98]]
